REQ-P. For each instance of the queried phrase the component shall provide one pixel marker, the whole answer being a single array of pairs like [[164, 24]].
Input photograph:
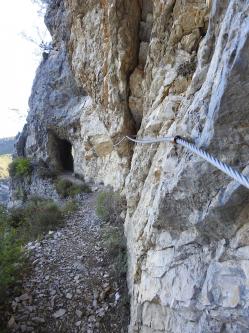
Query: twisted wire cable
[[118, 143], [227, 169], [156, 140], [124, 138]]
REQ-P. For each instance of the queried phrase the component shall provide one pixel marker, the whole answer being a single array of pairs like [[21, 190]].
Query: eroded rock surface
[[158, 68], [184, 216], [81, 89]]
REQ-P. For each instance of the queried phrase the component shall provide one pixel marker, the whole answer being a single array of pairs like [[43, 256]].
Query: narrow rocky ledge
[[72, 285]]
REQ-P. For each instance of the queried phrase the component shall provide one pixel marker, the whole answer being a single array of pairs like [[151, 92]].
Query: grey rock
[[78, 313], [23, 328], [52, 292], [69, 296], [60, 313], [24, 297], [11, 322], [38, 320], [91, 319]]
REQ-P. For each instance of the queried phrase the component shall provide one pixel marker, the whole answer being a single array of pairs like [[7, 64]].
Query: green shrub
[[11, 255], [114, 241], [41, 216], [65, 188], [109, 206], [62, 187], [18, 227], [16, 217], [20, 167], [70, 207], [20, 193], [36, 218]]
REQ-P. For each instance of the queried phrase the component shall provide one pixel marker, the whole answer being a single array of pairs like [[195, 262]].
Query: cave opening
[[60, 153], [66, 156]]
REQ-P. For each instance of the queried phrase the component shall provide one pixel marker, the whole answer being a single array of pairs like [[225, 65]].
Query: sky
[[19, 59]]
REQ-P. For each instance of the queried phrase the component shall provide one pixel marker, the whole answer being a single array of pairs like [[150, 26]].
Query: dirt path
[[73, 286]]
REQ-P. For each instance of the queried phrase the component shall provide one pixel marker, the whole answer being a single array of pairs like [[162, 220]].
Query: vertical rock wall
[[81, 89], [158, 67], [103, 49], [187, 222]]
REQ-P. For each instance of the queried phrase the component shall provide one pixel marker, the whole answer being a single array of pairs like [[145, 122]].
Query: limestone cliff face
[[158, 68], [81, 89], [187, 222]]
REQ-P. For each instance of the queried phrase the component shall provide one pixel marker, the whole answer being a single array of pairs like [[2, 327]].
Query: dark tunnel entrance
[[66, 157], [60, 153]]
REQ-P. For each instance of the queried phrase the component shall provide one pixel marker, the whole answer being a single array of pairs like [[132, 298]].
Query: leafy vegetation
[[19, 193], [11, 255], [5, 160], [20, 167], [109, 206], [70, 207], [65, 188], [24, 224], [36, 218], [115, 242], [17, 227]]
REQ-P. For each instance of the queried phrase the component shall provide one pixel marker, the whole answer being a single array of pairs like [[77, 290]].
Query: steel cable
[[227, 169], [236, 175]]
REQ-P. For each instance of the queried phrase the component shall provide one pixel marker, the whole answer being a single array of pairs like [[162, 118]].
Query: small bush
[[37, 217], [18, 227], [41, 216], [115, 242], [70, 207], [20, 193], [62, 187], [11, 255], [65, 188], [109, 206], [16, 217], [20, 167]]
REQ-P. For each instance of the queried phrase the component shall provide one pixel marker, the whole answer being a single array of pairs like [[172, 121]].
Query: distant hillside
[[4, 163], [7, 146]]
